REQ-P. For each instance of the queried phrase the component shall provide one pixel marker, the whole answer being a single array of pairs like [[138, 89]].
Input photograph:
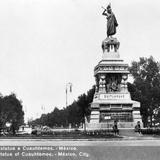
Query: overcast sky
[[44, 44]]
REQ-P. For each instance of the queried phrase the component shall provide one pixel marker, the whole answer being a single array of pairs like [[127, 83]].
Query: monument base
[[112, 103], [107, 108]]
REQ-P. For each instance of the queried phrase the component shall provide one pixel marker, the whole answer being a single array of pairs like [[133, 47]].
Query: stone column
[[124, 87], [102, 83]]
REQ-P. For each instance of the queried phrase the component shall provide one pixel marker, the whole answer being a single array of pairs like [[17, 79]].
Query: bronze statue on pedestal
[[111, 21]]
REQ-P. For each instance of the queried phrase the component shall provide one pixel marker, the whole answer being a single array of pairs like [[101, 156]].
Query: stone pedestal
[[112, 101]]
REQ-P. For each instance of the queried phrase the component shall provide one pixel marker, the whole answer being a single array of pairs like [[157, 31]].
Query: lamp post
[[68, 85]]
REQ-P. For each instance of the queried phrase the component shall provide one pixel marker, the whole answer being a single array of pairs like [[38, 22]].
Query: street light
[[8, 124], [68, 85]]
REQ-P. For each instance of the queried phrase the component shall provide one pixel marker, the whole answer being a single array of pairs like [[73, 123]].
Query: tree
[[146, 86], [11, 111], [84, 102], [73, 114]]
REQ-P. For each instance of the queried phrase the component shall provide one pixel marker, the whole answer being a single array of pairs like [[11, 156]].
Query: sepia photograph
[[79, 80]]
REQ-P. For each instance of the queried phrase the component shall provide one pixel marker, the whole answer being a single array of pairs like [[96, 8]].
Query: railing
[[109, 125]]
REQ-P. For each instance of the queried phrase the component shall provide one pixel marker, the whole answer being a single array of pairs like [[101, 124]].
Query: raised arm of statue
[[105, 13]]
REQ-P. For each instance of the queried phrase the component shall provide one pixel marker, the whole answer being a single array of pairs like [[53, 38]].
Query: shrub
[[155, 131]]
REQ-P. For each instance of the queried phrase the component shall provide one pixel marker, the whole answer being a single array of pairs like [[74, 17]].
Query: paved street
[[144, 148], [56, 142]]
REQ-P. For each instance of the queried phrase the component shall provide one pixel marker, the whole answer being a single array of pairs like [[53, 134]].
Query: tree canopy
[[146, 86], [73, 114], [11, 112]]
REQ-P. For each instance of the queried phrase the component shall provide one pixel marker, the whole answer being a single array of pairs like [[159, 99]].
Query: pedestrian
[[115, 128], [139, 127]]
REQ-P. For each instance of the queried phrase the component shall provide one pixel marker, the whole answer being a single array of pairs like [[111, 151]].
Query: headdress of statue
[[109, 6]]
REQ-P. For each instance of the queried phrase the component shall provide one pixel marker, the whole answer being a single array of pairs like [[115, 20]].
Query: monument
[[112, 101]]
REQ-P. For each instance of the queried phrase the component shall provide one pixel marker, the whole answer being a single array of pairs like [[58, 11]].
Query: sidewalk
[[130, 134]]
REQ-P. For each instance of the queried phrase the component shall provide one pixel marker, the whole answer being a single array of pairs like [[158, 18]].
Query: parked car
[[24, 129]]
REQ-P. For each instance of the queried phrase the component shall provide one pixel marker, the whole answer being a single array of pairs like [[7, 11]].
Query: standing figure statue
[[111, 21]]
